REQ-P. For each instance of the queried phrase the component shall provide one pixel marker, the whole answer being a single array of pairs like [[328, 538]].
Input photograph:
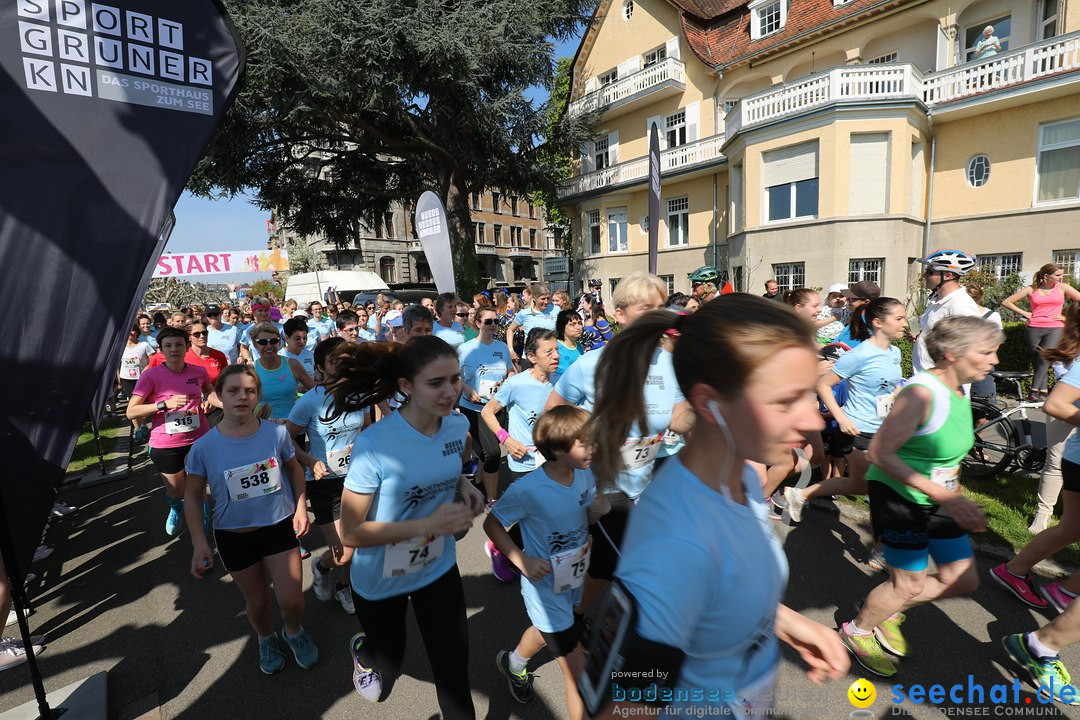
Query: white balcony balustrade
[[669, 74]]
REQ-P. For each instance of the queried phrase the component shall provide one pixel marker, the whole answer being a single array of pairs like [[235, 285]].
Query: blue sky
[[215, 225]]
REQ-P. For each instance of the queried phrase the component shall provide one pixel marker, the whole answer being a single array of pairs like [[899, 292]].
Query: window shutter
[[869, 174], [587, 162], [918, 172], [693, 118], [672, 47], [790, 164], [591, 85], [613, 147]]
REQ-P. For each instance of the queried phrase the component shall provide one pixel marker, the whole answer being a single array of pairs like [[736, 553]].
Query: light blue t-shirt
[[319, 329], [845, 337], [567, 357], [333, 437], [554, 519], [364, 335], [529, 319], [870, 373], [455, 334], [481, 364], [524, 397], [226, 341], [150, 339], [686, 546], [256, 464], [246, 339], [409, 475], [577, 386], [1072, 445], [305, 357]]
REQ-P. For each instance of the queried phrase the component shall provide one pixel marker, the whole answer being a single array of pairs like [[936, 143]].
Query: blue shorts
[[911, 533]]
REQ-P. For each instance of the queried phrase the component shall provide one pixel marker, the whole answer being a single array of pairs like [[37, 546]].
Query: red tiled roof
[[723, 37]]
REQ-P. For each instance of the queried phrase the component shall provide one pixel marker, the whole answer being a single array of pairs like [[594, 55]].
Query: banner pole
[[16, 580]]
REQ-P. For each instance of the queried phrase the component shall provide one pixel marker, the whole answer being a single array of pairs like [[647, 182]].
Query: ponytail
[[1068, 348], [798, 296], [861, 324], [368, 372]]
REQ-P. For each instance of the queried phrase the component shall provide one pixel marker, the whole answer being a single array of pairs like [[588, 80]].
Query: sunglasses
[[268, 341], [200, 334], [464, 314], [489, 321]]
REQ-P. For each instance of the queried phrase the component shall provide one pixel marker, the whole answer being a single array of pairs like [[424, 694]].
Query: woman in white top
[[136, 357]]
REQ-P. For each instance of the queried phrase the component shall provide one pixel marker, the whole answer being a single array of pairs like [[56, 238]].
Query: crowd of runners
[[581, 431]]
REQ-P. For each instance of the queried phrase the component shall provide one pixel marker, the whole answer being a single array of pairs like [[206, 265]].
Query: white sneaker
[[795, 502], [42, 552], [322, 581], [12, 653], [344, 596], [1039, 523], [60, 509]]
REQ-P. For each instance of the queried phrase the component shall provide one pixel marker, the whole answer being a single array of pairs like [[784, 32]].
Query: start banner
[[215, 263]]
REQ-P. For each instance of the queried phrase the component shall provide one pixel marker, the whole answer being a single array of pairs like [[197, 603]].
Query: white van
[[308, 287]]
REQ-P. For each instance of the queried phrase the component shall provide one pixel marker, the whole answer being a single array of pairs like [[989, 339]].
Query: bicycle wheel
[[995, 441]]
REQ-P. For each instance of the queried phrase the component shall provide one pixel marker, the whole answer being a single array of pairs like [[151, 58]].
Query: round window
[[628, 9], [978, 171]]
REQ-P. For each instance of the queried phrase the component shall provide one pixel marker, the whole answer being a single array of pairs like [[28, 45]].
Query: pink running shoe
[[501, 567], [1021, 587], [1054, 595]]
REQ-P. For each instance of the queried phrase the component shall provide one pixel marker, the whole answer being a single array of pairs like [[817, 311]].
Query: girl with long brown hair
[[1046, 296]]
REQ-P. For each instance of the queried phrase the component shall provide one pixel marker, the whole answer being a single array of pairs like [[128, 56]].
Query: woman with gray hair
[[988, 45], [914, 482]]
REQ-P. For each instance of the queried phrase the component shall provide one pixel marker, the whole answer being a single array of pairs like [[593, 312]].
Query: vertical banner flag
[[105, 108], [654, 195], [434, 234]]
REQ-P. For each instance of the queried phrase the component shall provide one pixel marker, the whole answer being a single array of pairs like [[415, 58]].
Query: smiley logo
[[861, 694]]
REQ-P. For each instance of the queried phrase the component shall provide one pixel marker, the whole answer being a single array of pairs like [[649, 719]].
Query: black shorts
[[562, 643], [240, 550], [837, 444], [128, 386], [169, 461], [324, 499], [862, 441], [605, 531], [1070, 475], [911, 533]]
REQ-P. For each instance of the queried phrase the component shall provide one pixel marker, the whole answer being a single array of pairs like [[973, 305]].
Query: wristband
[[502, 435]]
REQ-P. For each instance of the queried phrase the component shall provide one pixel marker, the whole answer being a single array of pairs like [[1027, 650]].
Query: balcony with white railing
[[667, 77], [684, 158]]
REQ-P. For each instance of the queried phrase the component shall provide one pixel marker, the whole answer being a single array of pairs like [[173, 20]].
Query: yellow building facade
[[821, 141]]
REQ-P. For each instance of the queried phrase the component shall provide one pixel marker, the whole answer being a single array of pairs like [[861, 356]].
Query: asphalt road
[[116, 596]]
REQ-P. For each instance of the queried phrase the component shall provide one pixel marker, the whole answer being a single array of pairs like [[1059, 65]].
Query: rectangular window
[[859, 270], [600, 154], [675, 126], [532, 238], [789, 177], [1058, 162], [618, 231], [670, 280], [496, 234], [1001, 265], [1066, 260], [388, 224], [767, 17], [678, 221], [609, 77], [789, 275], [1048, 16], [476, 201], [478, 232], [1002, 30], [613, 283], [514, 205], [532, 210], [515, 236], [886, 58], [594, 232], [654, 56], [495, 206]]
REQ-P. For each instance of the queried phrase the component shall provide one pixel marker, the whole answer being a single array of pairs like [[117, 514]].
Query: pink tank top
[[1045, 309]]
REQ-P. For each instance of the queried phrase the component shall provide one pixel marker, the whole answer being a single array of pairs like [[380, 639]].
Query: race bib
[[181, 421], [672, 439], [130, 368], [946, 477], [639, 452], [568, 568], [337, 461], [412, 555], [884, 404], [255, 480], [487, 388]]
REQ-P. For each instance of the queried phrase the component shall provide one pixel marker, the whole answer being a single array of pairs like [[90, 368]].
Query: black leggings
[[485, 444], [440, 613]]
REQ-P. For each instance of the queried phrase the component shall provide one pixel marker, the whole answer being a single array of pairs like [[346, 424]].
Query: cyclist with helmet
[[703, 281], [944, 268]]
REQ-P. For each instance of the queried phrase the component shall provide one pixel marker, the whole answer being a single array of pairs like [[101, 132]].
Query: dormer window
[[767, 17]]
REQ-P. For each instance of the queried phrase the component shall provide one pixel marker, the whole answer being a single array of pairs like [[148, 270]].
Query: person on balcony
[[988, 45]]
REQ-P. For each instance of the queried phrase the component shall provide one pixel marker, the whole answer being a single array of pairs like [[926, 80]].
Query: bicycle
[[997, 444]]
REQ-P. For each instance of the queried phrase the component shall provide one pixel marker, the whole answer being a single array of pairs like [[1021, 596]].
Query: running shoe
[[1021, 587], [13, 653], [303, 648], [1054, 595], [366, 681], [1045, 673], [60, 509], [271, 659], [889, 635], [501, 567], [344, 597], [42, 552], [868, 652], [877, 561], [1039, 523], [174, 523], [795, 502], [520, 684], [322, 581]]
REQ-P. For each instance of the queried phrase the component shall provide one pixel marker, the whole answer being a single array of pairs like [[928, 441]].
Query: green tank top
[[938, 446]]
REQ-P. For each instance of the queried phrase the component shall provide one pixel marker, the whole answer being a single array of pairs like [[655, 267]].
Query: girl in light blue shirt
[[400, 513]]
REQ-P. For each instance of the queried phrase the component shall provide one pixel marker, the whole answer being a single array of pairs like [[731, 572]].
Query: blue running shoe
[[271, 659], [175, 522], [303, 648]]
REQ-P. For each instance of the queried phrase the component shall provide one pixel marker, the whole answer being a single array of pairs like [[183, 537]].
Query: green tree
[[266, 288], [349, 106], [557, 157]]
